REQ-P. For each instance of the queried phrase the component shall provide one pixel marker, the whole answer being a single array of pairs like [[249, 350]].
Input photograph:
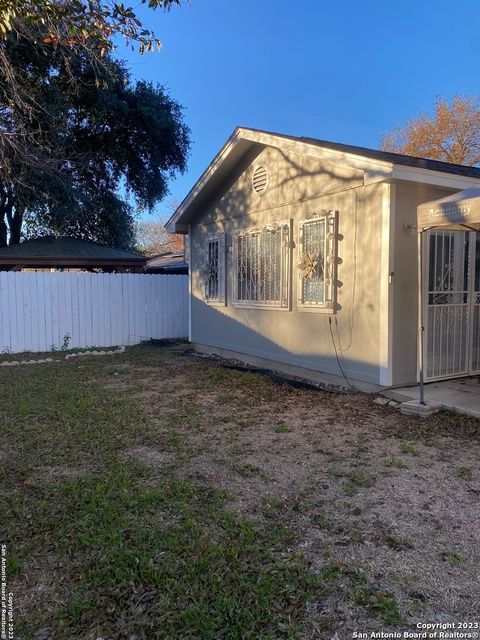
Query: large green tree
[[89, 148]]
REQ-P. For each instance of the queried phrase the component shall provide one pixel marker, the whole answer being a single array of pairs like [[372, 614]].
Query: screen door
[[475, 355], [452, 340]]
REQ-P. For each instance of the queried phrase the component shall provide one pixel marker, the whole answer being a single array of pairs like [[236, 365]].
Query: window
[[262, 264], [215, 268], [317, 242]]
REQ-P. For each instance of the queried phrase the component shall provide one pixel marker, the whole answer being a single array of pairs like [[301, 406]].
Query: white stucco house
[[303, 257]]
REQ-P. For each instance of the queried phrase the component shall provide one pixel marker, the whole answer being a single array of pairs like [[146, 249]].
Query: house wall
[[298, 186], [408, 195]]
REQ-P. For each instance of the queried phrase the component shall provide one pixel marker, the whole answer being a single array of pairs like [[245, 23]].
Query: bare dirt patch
[[122, 476], [52, 474], [151, 456], [391, 501]]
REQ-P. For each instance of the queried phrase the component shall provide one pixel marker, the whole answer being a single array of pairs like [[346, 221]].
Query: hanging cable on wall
[[354, 280]]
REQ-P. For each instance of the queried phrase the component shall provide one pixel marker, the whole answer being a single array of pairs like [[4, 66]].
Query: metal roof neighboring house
[[50, 252], [172, 262]]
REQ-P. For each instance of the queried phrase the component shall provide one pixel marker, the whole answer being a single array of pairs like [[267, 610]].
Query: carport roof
[[66, 251]]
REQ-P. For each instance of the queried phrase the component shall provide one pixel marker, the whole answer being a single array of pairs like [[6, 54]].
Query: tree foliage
[[65, 28], [451, 134], [90, 148], [80, 22]]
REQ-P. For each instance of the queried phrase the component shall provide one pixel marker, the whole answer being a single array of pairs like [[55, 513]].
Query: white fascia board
[[201, 182], [429, 176]]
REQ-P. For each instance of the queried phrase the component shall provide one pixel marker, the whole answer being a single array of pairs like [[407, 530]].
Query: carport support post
[[421, 327]]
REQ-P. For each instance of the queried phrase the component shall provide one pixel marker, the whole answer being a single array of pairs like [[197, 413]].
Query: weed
[[397, 463], [225, 398], [397, 543], [361, 479], [271, 505], [408, 448], [350, 489], [238, 448], [174, 442], [379, 602], [247, 470], [454, 558], [117, 371], [13, 564], [464, 473], [282, 428], [359, 448]]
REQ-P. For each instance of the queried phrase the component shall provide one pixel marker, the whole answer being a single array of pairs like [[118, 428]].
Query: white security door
[[475, 351], [448, 301]]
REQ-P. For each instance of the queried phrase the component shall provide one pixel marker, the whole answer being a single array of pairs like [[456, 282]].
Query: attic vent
[[260, 179]]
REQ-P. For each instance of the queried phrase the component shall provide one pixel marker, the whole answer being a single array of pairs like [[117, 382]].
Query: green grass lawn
[[117, 551], [151, 495]]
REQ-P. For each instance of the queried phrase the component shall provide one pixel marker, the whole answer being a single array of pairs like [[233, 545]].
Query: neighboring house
[[303, 258], [170, 262], [68, 254]]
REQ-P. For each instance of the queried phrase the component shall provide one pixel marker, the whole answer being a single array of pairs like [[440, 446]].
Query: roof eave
[[374, 169], [174, 224], [178, 223], [433, 177]]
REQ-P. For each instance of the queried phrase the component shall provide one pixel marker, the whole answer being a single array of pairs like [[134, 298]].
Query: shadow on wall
[[298, 187], [224, 332]]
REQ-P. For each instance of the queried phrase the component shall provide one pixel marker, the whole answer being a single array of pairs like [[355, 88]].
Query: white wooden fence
[[44, 311]]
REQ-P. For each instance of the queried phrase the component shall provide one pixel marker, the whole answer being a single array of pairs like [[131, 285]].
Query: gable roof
[[168, 262], [375, 163], [385, 156], [64, 251]]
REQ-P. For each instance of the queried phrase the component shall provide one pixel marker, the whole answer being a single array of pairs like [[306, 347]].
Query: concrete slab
[[414, 408], [461, 395]]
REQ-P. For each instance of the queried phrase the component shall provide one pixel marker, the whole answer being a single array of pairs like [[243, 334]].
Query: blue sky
[[346, 71]]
